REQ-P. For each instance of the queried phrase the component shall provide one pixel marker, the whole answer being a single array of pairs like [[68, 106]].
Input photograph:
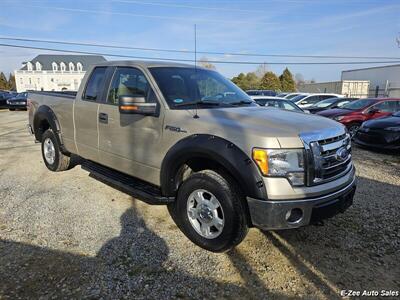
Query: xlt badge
[[173, 128]]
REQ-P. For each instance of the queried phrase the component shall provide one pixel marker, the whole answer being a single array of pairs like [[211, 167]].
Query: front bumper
[[286, 214]]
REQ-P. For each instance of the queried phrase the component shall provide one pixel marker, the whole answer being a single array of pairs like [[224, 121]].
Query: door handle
[[103, 118]]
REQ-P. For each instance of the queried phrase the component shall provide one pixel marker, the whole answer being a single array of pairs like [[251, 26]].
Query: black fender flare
[[233, 159], [45, 113]]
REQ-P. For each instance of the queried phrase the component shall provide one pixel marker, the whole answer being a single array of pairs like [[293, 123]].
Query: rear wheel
[[53, 158], [210, 211], [12, 109]]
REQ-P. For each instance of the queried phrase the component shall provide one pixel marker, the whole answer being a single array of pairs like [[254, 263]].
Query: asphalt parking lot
[[66, 235]]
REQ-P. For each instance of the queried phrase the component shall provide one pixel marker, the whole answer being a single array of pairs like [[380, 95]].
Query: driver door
[[129, 142]]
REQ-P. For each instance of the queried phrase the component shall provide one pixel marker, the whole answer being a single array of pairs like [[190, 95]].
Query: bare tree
[[206, 64], [261, 70]]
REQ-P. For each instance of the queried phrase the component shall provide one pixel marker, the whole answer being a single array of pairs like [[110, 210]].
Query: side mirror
[[304, 102], [372, 110], [306, 111], [136, 105]]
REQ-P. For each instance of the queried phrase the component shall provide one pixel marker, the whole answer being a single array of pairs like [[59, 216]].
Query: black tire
[[234, 210], [61, 161], [352, 128], [12, 109]]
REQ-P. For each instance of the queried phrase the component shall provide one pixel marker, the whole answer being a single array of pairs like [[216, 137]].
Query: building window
[[71, 67], [29, 66], [52, 79], [30, 80], [63, 67], [38, 66], [79, 67], [21, 81], [54, 66]]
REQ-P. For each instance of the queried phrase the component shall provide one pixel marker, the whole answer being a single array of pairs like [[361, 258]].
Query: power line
[[192, 61], [190, 51]]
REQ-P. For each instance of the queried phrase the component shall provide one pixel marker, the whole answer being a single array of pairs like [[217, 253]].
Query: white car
[[308, 100], [292, 95]]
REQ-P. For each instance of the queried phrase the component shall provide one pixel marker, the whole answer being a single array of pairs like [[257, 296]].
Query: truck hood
[[259, 123]]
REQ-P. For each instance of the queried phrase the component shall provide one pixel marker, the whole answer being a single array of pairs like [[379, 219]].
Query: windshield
[[298, 98], [290, 96], [359, 104], [326, 103], [189, 85]]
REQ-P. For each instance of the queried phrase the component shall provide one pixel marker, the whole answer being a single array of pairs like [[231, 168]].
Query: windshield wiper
[[241, 102], [199, 102]]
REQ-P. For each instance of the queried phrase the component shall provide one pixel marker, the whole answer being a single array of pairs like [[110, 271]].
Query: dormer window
[[79, 67], [54, 66], [38, 66], [29, 66], [63, 67], [71, 66]]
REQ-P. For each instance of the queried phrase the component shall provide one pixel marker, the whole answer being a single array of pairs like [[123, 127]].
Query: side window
[[287, 106], [95, 84], [129, 82], [313, 99], [386, 106]]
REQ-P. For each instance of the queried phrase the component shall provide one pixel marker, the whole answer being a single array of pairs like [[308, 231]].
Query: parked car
[[308, 100], [382, 133], [4, 96], [329, 104], [277, 102], [18, 102], [292, 95], [189, 138], [261, 93], [353, 114], [281, 95]]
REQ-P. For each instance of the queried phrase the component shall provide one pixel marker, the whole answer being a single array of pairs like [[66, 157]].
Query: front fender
[[229, 156]]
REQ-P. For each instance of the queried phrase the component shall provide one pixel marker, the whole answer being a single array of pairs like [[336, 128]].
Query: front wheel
[[353, 128], [210, 211], [53, 158]]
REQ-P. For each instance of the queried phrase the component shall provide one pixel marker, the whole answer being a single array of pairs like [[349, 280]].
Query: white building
[[384, 80], [48, 72]]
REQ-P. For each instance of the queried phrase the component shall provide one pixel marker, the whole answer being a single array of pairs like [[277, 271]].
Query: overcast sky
[[300, 27]]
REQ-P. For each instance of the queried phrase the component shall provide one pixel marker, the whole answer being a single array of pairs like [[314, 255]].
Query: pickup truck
[[187, 137]]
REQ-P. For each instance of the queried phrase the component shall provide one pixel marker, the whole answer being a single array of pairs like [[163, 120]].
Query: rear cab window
[[95, 84]]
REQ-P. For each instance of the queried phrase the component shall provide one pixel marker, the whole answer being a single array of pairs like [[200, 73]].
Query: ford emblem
[[341, 154]]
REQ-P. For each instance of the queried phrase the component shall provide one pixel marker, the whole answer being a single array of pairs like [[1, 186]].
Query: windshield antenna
[[196, 116]]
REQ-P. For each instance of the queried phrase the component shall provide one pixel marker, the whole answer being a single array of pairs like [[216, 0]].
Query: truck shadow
[[134, 264], [355, 250]]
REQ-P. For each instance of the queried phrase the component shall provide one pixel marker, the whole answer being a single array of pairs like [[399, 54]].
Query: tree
[[3, 82], [270, 82], [11, 82], [206, 64], [287, 81], [247, 82]]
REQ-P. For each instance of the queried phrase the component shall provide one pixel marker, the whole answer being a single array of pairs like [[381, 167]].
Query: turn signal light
[[260, 156]]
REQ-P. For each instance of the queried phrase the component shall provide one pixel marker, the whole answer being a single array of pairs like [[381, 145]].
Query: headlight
[[395, 128], [338, 118], [8, 102], [287, 163]]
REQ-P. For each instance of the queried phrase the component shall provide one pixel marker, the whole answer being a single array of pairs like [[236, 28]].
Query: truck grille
[[328, 159]]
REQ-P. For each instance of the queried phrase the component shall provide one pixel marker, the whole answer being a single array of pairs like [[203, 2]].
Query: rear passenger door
[[86, 115]]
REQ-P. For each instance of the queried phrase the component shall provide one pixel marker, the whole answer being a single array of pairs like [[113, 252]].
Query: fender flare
[[45, 113], [223, 152]]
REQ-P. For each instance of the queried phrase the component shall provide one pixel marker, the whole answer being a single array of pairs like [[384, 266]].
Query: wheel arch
[[45, 119], [203, 151]]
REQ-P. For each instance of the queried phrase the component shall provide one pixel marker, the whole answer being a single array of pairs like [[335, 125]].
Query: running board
[[127, 184]]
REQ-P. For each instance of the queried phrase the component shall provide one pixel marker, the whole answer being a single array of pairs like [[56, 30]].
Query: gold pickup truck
[[189, 138]]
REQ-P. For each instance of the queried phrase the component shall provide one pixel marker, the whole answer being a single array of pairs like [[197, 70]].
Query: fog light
[[294, 215]]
